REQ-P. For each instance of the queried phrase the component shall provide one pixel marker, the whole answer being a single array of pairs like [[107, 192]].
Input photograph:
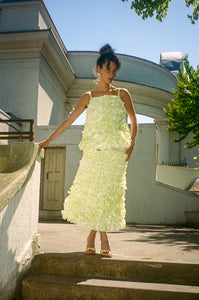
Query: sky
[[89, 24]]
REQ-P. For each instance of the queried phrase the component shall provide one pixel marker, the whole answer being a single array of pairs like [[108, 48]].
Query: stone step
[[116, 269], [56, 287]]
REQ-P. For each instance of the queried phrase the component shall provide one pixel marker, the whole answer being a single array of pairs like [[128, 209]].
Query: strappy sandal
[[90, 251], [106, 253]]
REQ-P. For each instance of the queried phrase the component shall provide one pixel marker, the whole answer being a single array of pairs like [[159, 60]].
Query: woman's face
[[107, 72]]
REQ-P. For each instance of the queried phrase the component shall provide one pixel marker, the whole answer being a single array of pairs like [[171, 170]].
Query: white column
[[163, 141], [174, 147]]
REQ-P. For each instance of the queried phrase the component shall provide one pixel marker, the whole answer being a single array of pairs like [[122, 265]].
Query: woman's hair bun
[[107, 55], [106, 49]]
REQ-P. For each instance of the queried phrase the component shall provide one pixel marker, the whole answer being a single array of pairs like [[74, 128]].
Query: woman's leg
[[105, 248], [91, 242], [104, 241]]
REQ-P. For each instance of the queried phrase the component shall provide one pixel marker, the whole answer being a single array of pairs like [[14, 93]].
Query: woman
[[96, 199]]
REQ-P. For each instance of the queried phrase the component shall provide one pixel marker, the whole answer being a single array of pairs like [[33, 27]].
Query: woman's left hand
[[129, 151]]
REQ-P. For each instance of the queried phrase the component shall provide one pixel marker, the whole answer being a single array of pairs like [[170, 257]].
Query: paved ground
[[140, 242]]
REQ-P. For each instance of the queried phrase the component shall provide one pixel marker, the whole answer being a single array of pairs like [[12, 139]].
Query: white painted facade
[[40, 79]]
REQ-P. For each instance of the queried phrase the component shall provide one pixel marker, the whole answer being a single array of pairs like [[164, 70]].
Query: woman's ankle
[[91, 239]]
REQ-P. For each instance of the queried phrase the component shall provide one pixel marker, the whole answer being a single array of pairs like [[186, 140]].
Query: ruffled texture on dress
[[96, 199], [106, 126]]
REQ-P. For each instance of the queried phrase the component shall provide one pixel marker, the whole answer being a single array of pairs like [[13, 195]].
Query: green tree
[[147, 8], [183, 112]]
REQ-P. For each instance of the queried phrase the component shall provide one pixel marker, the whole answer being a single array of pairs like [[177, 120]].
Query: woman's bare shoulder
[[86, 95], [125, 95], [85, 98], [124, 92]]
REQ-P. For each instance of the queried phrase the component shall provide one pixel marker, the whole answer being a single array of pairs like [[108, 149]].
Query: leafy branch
[[147, 8]]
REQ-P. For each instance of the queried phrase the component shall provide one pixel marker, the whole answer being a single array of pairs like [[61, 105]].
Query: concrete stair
[[78, 277]]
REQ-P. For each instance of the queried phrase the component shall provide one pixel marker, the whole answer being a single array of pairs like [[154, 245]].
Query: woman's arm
[[80, 107], [126, 97]]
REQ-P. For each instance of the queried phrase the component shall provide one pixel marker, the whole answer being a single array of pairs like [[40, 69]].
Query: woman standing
[[96, 199]]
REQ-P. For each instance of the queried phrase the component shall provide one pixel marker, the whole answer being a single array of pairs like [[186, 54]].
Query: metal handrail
[[16, 135]]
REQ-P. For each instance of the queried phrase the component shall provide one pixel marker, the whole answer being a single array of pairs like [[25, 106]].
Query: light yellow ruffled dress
[[96, 199]]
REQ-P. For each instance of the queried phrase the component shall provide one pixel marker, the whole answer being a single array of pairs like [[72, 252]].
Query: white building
[[40, 79]]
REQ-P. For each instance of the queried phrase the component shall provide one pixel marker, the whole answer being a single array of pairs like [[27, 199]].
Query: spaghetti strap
[[89, 92]]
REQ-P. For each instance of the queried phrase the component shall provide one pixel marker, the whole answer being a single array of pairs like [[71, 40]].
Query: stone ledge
[[20, 163], [195, 186]]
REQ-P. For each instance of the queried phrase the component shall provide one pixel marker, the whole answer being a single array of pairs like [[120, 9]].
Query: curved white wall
[[133, 69]]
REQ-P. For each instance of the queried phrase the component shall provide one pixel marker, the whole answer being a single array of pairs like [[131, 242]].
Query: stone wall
[[18, 221]]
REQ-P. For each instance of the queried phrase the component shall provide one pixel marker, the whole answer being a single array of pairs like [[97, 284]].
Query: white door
[[54, 176]]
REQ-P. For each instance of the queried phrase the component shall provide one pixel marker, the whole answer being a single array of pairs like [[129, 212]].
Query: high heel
[[106, 253], [90, 251]]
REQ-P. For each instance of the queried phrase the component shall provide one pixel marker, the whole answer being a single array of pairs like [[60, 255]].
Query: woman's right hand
[[43, 144]]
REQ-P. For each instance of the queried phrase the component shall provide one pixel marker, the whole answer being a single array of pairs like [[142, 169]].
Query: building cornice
[[42, 9], [34, 44], [133, 69]]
